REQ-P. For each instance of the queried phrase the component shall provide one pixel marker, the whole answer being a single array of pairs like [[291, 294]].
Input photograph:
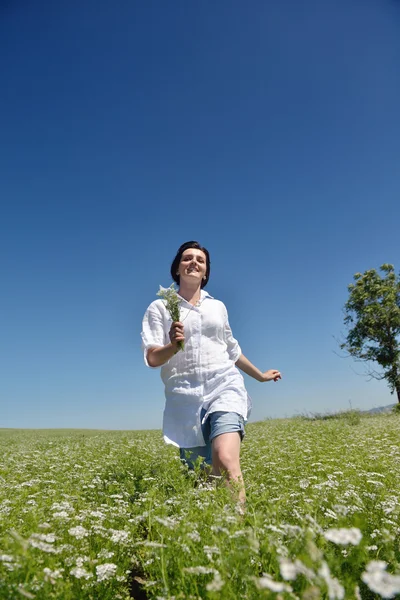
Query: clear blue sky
[[269, 131]]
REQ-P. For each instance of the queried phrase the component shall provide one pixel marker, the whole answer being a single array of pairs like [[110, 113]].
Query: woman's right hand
[[176, 333]]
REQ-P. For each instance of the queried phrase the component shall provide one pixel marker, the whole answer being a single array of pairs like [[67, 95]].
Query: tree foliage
[[372, 317]]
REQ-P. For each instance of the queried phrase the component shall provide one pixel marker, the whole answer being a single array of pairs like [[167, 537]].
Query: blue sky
[[269, 131]]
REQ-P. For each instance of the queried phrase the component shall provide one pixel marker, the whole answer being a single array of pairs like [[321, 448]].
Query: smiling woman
[[207, 404]]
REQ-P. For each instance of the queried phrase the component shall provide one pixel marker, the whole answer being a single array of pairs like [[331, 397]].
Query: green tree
[[372, 317]]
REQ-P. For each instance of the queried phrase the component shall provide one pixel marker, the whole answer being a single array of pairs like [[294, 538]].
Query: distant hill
[[379, 409]]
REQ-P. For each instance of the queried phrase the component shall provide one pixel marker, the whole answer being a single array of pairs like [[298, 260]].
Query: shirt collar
[[203, 295]]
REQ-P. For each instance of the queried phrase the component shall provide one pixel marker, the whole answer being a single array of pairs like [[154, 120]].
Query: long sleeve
[[234, 349], [152, 330]]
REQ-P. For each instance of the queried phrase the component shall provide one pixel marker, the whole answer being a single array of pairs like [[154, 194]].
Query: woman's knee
[[227, 460]]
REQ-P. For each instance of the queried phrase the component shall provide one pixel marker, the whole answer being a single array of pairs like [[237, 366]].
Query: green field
[[112, 515]]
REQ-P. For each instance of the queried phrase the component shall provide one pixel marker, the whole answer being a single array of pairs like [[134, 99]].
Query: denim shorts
[[217, 423]]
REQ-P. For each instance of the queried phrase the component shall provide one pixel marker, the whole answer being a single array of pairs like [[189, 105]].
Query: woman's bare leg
[[226, 462]]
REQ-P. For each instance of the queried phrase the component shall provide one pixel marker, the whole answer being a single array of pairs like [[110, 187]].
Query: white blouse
[[203, 375]]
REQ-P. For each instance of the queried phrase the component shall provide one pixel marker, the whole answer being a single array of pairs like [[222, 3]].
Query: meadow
[[115, 515]]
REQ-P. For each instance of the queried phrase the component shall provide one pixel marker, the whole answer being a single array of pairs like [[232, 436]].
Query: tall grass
[[115, 515]]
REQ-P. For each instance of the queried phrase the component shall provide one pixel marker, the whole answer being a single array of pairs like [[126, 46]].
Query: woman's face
[[193, 265]]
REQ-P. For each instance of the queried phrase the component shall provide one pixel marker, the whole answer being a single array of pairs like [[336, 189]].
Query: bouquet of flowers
[[172, 301]]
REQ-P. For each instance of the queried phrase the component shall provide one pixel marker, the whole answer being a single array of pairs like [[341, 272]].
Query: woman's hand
[[271, 375], [176, 334]]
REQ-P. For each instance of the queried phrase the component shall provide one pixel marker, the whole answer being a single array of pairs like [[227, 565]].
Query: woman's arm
[[247, 367], [156, 357]]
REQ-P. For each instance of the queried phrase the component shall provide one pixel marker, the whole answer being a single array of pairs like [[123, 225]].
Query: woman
[[206, 400]]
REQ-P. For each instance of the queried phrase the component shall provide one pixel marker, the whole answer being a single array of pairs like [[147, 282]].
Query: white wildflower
[[79, 532], [335, 589], [44, 537], [62, 506], [105, 554], [200, 570], [194, 535], [210, 550], [7, 558], [51, 576], [266, 582], [379, 581], [44, 546], [219, 529], [150, 544], [239, 533], [80, 573], [172, 302], [62, 514], [167, 522], [304, 483], [341, 509], [105, 571], [119, 536], [290, 570], [216, 584], [344, 536]]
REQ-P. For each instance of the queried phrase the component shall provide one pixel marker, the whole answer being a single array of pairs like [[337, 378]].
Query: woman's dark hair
[[177, 260]]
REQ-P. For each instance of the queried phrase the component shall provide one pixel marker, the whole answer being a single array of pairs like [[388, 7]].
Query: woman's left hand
[[271, 375]]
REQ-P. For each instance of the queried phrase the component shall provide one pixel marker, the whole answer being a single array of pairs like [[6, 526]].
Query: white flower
[[119, 536], [44, 546], [335, 589], [150, 544], [200, 570], [266, 582], [105, 554], [44, 537], [80, 560], [97, 513], [51, 576], [290, 570], [80, 573], [167, 522], [6, 558], [379, 581], [210, 550], [61, 515], [304, 483], [79, 532], [105, 571], [62, 506], [330, 513], [344, 536], [216, 584], [194, 535]]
